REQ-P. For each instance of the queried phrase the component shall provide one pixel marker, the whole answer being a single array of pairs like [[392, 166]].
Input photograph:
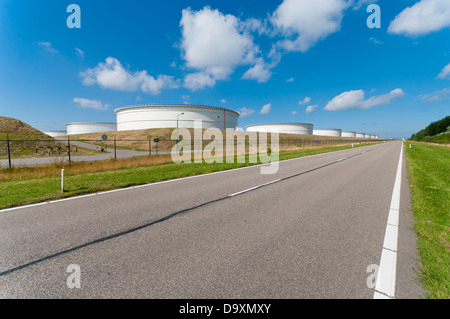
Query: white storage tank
[[55, 133], [367, 135], [165, 116], [349, 134], [360, 135], [328, 132], [89, 127], [286, 128]]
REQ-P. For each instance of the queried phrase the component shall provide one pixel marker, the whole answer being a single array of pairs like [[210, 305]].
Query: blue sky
[[305, 61]]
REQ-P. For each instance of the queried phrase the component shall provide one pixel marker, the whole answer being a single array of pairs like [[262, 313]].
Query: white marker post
[[62, 180]]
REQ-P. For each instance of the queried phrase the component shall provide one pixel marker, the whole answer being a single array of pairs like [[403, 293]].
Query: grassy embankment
[[26, 141], [21, 186], [429, 175]]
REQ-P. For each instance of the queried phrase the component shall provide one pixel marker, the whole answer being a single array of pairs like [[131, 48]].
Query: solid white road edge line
[[385, 285]]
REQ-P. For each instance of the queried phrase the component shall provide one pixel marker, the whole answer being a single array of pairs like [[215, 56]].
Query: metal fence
[[15, 152]]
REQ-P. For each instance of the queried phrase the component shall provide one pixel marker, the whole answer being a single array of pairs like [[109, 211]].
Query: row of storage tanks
[[306, 129], [183, 116]]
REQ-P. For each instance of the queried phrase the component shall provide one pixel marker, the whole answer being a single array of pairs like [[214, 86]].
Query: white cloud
[[199, 80], [445, 73], [79, 52], [185, 99], [294, 112], [372, 39], [422, 18], [291, 79], [306, 100], [311, 108], [357, 4], [223, 101], [259, 72], [91, 104], [244, 112], [306, 22], [356, 100], [214, 44], [256, 25], [112, 75], [266, 109], [154, 86], [439, 96], [47, 46]]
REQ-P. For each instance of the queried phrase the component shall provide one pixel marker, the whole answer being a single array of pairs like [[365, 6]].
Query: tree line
[[432, 129]]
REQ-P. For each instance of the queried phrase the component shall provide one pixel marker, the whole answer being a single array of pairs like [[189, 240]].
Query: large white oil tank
[[367, 135], [89, 127], [360, 135], [173, 115], [328, 132], [56, 133], [286, 128], [348, 134]]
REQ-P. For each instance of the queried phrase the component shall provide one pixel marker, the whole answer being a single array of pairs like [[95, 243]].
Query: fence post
[[115, 149], [150, 146], [9, 151], [68, 148]]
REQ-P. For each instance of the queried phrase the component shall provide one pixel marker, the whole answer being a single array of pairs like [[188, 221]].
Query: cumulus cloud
[[311, 108], [91, 104], [306, 100], [266, 109], [304, 23], [439, 96], [445, 73], [424, 17], [111, 74], [260, 72], [244, 112], [215, 44], [356, 100]]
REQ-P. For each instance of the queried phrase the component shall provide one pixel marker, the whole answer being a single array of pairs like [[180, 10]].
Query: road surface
[[315, 229]]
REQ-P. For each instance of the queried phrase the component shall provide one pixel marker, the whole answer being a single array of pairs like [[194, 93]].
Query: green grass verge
[[29, 191], [429, 175]]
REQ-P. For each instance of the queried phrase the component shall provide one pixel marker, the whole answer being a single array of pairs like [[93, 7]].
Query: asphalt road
[[309, 231]]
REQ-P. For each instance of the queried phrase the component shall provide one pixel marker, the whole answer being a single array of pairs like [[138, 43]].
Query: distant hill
[[23, 139], [17, 129], [436, 132]]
